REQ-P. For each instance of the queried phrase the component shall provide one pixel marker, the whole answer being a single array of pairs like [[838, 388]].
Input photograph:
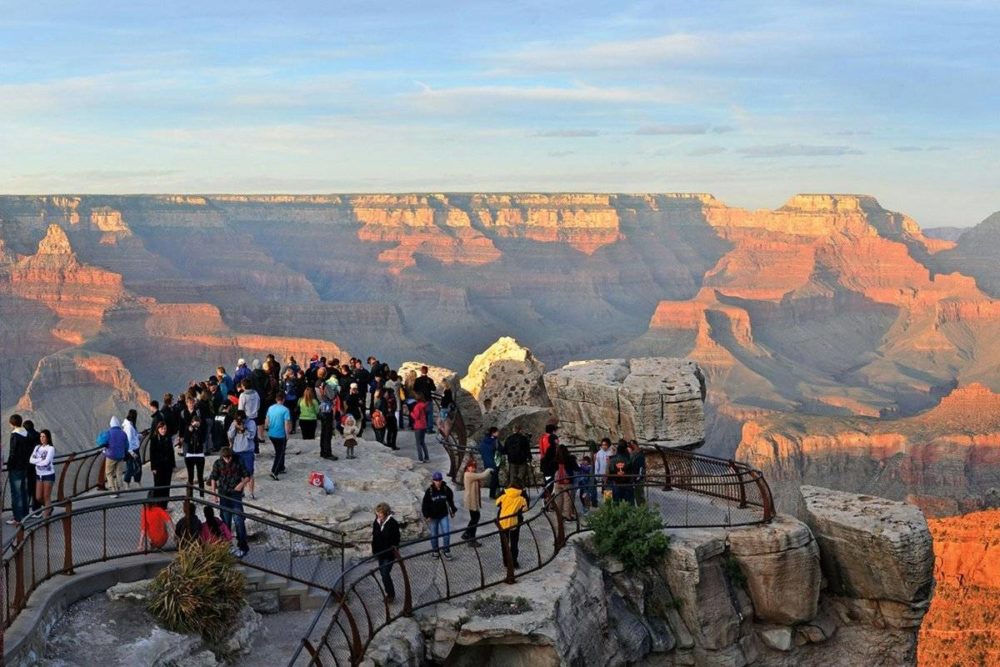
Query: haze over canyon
[[842, 345]]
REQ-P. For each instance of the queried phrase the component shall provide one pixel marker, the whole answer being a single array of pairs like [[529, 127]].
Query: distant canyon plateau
[[842, 345]]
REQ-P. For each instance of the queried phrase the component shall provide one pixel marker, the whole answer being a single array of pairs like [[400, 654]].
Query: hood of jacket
[[115, 423]]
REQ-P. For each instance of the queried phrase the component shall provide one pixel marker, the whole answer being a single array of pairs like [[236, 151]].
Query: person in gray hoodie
[[114, 456]]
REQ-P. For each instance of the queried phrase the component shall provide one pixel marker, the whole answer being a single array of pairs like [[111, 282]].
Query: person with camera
[[241, 435]]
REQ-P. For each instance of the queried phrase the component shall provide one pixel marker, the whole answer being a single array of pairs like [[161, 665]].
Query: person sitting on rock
[[213, 529]]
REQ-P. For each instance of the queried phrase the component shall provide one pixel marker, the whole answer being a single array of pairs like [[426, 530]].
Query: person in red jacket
[[418, 413]]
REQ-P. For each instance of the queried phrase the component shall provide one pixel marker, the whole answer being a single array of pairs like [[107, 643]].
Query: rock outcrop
[[506, 375], [445, 377], [961, 625], [650, 399], [738, 597]]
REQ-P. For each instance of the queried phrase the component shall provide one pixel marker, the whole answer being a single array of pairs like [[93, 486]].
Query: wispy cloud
[[567, 133], [464, 96], [918, 149], [796, 150], [652, 130], [707, 150]]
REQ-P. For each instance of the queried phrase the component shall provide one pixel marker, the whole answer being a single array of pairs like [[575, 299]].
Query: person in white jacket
[[42, 458], [133, 460]]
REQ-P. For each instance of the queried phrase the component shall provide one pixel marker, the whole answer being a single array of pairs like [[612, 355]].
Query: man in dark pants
[[34, 439], [488, 450], [385, 545], [227, 481], [17, 469], [510, 516]]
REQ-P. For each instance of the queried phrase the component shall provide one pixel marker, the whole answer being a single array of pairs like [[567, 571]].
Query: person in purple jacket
[[114, 456]]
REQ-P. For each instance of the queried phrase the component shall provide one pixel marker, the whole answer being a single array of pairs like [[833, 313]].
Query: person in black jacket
[[385, 546], [517, 447], [438, 509], [161, 461], [18, 455]]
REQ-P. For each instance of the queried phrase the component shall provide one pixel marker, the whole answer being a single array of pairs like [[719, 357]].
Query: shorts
[[47, 478], [246, 458]]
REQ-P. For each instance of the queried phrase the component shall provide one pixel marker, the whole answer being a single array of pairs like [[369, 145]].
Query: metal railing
[[358, 609], [101, 528]]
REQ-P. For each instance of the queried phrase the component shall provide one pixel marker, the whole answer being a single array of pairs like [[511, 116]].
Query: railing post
[[765, 494], [407, 591], [19, 569], [67, 522], [102, 483], [739, 481], [666, 470], [560, 526]]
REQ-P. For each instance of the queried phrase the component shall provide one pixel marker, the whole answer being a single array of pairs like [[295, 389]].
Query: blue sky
[[751, 101]]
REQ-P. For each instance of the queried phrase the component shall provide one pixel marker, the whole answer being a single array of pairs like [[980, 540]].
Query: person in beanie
[[438, 508]]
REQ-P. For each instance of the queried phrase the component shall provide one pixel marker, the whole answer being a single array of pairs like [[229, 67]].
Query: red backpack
[[378, 419]]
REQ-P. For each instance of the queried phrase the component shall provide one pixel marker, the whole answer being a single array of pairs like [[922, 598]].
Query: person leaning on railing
[[636, 469], [510, 516]]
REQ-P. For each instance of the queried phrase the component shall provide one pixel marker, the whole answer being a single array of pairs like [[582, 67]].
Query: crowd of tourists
[[267, 401]]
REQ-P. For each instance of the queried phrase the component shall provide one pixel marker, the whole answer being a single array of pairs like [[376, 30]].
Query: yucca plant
[[200, 591], [631, 533]]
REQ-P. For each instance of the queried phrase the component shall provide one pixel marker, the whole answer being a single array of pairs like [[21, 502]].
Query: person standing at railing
[[385, 546], [517, 448], [161, 461], [637, 471], [114, 453], [438, 508], [566, 472], [488, 452], [133, 459], [602, 462], [472, 497], [45, 472], [512, 505], [227, 481], [34, 438]]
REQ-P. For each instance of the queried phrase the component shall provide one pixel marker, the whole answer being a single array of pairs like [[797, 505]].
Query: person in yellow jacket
[[512, 504]]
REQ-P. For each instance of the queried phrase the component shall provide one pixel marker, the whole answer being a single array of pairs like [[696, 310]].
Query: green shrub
[[631, 533], [500, 605], [200, 591]]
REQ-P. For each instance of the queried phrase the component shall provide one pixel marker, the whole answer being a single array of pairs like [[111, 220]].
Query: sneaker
[[474, 543], [11, 522], [435, 554], [234, 550], [240, 553], [274, 477], [517, 566], [447, 555]]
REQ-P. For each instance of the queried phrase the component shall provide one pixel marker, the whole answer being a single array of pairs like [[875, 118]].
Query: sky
[[750, 101]]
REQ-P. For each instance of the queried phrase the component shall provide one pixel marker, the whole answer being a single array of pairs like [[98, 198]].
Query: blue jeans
[[422, 454], [229, 505], [19, 493], [441, 528]]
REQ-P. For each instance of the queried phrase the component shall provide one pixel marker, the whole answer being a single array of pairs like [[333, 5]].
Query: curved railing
[[358, 608], [76, 473], [103, 528]]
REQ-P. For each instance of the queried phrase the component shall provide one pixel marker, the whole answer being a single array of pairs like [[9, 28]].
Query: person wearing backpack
[[391, 423], [378, 417]]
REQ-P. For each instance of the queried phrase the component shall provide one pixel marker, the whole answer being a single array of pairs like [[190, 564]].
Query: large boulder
[[652, 399], [780, 562], [872, 548], [506, 375], [472, 414]]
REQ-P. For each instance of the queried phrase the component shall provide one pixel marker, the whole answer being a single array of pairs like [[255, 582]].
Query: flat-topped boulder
[[651, 399], [872, 548]]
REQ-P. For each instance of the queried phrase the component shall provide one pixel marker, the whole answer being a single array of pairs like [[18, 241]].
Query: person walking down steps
[[385, 546]]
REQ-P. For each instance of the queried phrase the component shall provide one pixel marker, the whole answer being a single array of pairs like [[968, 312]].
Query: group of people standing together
[[31, 469]]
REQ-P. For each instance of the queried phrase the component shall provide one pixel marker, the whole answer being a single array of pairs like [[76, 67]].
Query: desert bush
[[200, 591], [629, 532]]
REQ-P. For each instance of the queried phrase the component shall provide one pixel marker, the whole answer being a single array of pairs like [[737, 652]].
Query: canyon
[[841, 345]]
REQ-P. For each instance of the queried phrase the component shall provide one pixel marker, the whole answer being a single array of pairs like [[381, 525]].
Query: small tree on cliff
[[631, 533]]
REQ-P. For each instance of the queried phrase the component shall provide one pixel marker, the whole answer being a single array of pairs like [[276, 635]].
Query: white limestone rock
[[652, 399], [504, 376]]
